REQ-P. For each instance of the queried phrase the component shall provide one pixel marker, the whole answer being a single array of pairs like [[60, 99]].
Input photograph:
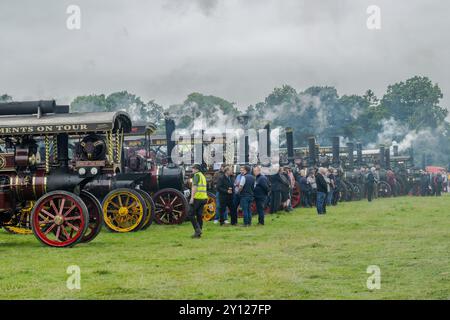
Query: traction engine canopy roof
[[72, 123]]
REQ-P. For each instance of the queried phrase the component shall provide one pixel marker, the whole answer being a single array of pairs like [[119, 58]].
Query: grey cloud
[[207, 7], [237, 49]]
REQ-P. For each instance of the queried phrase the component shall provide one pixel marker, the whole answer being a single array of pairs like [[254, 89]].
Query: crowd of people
[[319, 187], [274, 193], [231, 193], [433, 184]]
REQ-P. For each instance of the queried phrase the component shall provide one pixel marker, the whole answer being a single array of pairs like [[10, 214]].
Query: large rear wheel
[[59, 219], [342, 192], [209, 210], [348, 191], [95, 216], [384, 189], [296, 196], [357, 192]]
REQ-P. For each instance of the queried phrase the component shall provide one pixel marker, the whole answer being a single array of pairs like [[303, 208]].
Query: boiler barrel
[[171, 177], [31, 107]]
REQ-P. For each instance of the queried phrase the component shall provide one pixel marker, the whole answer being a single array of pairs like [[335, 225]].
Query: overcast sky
[[236, 49]]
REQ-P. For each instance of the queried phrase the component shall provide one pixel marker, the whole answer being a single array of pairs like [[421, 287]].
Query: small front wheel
[[124, 210]]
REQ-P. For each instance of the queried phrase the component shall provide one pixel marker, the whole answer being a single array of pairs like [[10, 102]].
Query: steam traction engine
[[59, 195], [166, 182]]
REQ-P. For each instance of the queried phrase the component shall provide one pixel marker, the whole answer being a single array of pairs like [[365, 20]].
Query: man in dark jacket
[[261, 193], [225, 191], [216, 177], [424, 184], [305, 189], [438, 184], [246, 188], [370, 184], [322, 190]]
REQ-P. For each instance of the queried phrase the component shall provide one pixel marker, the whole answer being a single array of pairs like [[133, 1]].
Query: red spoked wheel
[[59, 219], [171, 206], [253, 209], [240, 212], [296, 196], [95, 216]]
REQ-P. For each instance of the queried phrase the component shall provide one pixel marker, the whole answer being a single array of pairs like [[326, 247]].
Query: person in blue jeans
[[246, 188], [261, 193], [322, 191]]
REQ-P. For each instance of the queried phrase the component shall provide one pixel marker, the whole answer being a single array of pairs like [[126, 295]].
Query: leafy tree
[[327, 95], [210, 109], [285, 94], [91, 103], [138, 110], [367, 114], [154, 111], [124, 101], [371, 98], [413, 105], [348, 111], [5, 98], [415, 102], [306, 112]]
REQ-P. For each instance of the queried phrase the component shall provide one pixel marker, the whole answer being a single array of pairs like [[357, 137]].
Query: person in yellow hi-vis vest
[[199, 197]]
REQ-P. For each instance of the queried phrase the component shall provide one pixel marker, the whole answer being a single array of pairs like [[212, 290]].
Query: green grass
[[295, 256]]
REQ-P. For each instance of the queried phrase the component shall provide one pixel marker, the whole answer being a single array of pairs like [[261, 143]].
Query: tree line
[[408, 110]]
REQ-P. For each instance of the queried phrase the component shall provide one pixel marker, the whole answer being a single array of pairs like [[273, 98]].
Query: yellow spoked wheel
[[209, 210], [23, 226], [124, 210]]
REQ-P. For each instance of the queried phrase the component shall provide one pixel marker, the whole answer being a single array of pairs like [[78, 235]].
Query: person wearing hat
[[199, 197]]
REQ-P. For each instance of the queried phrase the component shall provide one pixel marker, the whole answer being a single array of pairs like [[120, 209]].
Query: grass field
[[297, 255]]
